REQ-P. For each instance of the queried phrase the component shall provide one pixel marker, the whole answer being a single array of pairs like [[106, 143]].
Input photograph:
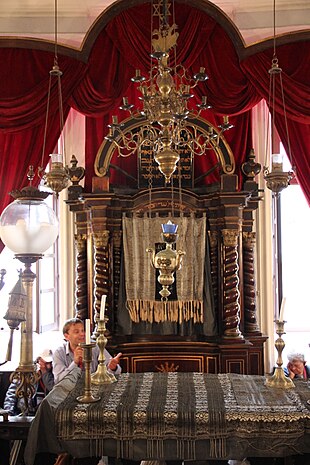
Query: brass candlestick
[[102, 376], [278, 379], [87, 359]]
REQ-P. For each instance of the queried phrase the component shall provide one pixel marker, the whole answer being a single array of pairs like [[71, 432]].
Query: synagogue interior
[[155, 185]]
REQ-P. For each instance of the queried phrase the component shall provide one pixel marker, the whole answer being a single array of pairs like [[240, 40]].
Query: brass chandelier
[[165, 121]]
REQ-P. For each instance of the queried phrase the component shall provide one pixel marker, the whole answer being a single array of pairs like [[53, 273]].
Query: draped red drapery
[[295, 64], [23, 102], [96, 89]]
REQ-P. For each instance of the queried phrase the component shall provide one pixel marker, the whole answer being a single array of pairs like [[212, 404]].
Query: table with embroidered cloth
[[172, 416]]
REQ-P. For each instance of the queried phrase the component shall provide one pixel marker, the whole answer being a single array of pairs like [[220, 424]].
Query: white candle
[[282, 309], [87, 331], [102, 307]]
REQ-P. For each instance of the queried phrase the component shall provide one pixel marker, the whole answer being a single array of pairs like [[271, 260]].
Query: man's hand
[[78, 356], [113, 363]]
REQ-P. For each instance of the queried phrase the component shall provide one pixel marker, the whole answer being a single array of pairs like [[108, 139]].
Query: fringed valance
[[156, 311]]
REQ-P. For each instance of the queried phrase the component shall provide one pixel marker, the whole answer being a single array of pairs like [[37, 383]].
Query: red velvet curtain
[[295, 64], [23, 101], [96, 90]]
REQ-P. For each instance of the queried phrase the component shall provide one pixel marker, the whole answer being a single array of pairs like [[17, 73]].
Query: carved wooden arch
[[222, 150], [162, 200]]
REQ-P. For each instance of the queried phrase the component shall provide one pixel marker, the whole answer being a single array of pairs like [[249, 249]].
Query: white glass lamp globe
[[28, 226]]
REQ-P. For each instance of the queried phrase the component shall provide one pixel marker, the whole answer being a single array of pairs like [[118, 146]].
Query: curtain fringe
[[155, 311]]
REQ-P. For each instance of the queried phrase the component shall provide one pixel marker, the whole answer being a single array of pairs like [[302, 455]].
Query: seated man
[[69, 355], [45, 384], [296, 367]]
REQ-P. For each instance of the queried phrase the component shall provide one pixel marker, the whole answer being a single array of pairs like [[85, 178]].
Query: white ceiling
[[35, 18]]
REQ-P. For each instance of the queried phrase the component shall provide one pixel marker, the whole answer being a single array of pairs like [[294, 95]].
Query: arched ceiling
[[35, 18]]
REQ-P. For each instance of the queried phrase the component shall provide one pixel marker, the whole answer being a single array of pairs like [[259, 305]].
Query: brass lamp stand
[[28, 227], [87, 397], [278, 379], [26, 375], [102, 376]]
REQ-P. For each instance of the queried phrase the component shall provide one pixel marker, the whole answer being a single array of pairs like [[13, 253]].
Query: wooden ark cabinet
[[235, 343]]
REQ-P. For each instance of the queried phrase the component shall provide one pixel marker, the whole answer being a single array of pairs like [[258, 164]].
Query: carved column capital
[[249, 238], [80, 241], [101, 239], [230, 237]]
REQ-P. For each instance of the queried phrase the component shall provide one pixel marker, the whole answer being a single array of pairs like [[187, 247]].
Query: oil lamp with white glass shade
[[28, 227]]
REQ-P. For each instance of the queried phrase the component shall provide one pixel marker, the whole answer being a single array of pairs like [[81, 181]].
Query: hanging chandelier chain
[[289, 154], [46, 118], [150, 183], [56, 32], [180, 189], [172, 198], [274, 27]]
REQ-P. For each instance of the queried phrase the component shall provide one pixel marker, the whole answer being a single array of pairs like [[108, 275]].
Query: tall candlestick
[[87, 331], [281, 317], [102, 307]]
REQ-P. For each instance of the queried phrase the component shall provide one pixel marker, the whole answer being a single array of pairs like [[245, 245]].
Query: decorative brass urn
[[167, 261]]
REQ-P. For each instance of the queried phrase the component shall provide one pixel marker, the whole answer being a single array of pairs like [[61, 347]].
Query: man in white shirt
[[69, 356]]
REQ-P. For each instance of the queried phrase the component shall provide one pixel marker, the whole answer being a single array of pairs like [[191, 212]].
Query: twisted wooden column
[[213, 239], [231, 294], [250, 317], [101, 268], [81, 301], [117, 247]]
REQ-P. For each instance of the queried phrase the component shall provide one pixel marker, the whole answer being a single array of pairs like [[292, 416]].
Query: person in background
[[296, 367], [15, 405], [69, 356]]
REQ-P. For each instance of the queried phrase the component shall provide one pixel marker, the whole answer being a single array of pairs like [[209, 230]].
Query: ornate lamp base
[[102, 376], [279, 380], [87, 397]]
